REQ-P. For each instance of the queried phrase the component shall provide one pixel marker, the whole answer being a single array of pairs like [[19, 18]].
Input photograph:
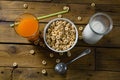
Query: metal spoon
[[62, 67]]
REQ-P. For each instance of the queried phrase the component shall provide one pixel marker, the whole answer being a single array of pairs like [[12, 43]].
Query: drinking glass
[[99, 25], [27, 26]]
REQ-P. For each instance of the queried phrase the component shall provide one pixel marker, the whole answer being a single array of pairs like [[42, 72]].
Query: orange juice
[[27, 27]]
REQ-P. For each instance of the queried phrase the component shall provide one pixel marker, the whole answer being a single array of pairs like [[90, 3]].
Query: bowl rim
[[46, 27]]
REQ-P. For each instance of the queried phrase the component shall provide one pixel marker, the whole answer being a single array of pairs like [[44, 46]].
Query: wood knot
[[12, 49], [2, 72]]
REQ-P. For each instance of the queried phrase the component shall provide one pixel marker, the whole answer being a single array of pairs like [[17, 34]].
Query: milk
[[90, 36]]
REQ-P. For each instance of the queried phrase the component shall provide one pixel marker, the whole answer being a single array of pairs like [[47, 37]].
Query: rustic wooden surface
[[102, 64]]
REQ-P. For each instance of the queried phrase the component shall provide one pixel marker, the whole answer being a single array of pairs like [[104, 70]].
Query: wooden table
[[102, 64]]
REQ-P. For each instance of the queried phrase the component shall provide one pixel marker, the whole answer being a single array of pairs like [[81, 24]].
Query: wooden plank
[[5, 73], [15, 8], [8, 35], [104, 75], [35, 73], [10, 53], [88, 1], [108, 59], [35, 0], [77, 75], [92, 75], [28, 0]]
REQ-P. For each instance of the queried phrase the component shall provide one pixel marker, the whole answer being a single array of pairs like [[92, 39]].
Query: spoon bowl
[[61, 68]]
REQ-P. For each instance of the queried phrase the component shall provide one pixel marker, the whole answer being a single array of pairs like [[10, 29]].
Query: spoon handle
[[85, 52]]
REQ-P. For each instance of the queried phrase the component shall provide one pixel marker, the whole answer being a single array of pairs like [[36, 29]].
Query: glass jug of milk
[[99, 25]]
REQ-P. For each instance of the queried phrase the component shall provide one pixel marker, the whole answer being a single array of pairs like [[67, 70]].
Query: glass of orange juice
[[27, 26]]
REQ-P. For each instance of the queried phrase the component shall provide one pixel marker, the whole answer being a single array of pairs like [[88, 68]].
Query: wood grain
[[5, 73], [29, 0], [88, 1], [104, 75], [35, 73], [92, 75], [108, 59], [15, 8], [20, 54]]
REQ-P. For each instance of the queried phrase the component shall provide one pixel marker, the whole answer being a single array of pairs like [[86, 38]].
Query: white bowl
[[48, 25]]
